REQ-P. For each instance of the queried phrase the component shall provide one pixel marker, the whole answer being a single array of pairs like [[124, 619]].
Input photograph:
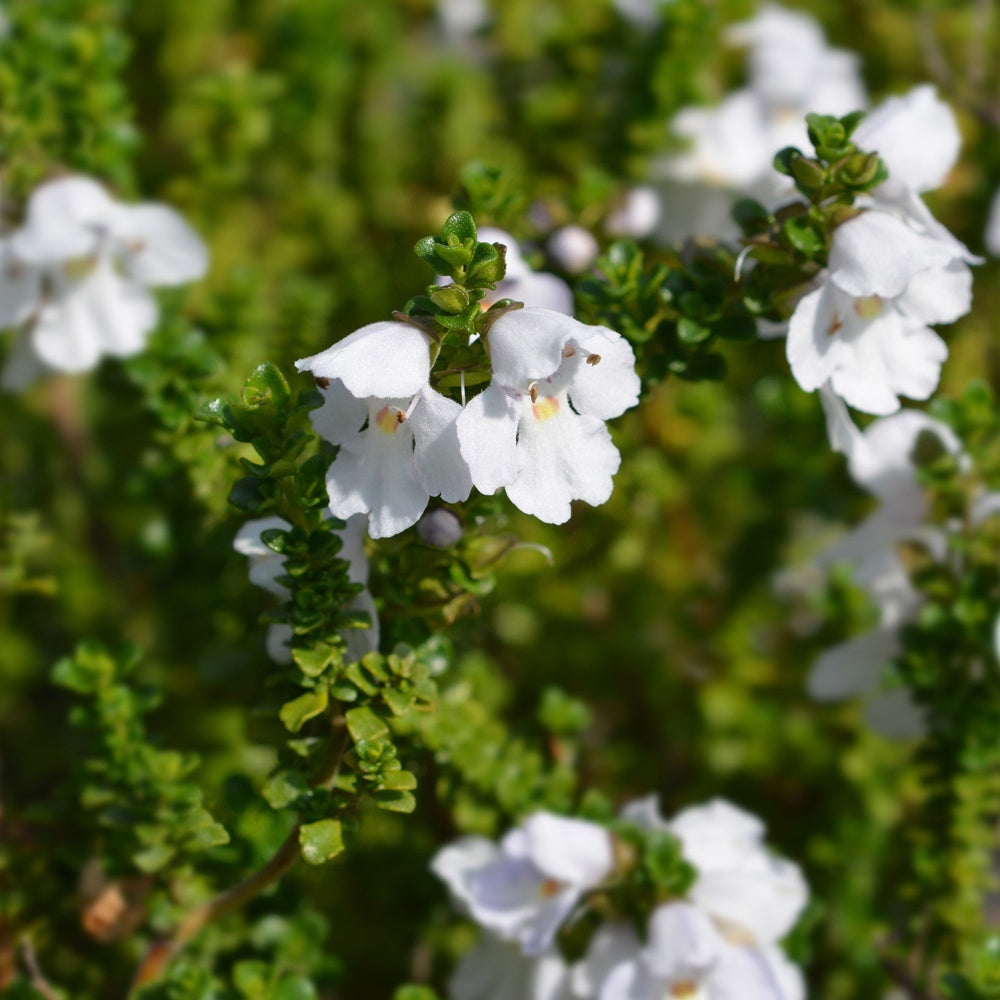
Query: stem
[[38, 980], [237, 895]]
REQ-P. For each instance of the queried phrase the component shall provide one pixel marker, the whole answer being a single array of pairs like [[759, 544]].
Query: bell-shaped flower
[[865, 329], [76, 276], [523, 889], [686, 957], [397, 436], [538, 429], [266, 566]]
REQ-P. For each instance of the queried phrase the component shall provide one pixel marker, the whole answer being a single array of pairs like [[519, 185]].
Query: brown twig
[[237, 895], [38, 981]]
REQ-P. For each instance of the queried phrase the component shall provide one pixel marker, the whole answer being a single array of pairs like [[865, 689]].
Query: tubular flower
[[523, 889], [538, 429], [76, 276], [397, 437]]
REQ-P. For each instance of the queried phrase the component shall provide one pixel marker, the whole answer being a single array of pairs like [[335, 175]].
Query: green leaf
[[252, 979], [400, 802], [294, 988], [364, 724], [690, 332], [399, 781], [399, 702], [461, 225], [295, 714], [313, 660], [321, 841], [283, 788], [266, 385], [805, 235]]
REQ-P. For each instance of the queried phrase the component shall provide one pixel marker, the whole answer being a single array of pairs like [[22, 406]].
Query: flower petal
[[526, 345], [440, 465], [569, 850], [916, 135], [162, 248], [852, 667], [877, 254], [562, 456], [487, 438], [64, 220], [381, 360], [607, 387]]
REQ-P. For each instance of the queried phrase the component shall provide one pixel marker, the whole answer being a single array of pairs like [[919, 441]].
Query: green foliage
[[150, 818]]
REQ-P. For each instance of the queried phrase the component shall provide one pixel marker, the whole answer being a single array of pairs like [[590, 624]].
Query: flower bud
[[439, 528]]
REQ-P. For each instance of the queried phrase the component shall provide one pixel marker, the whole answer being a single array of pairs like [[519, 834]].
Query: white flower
[[266, 566], [752, 896], [573, 248], [643, 13], [521, 283], [523, 889], [721, 940], [76, 274], [865, 329], [397, 437], [792, 68], [992, 235], [538, 429], [880, 459], [731, 147], [686, 957]]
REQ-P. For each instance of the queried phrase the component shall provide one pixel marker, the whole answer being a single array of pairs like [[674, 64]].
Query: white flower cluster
[[731, 147], [719, 941], [266, 566], [75, 277], [536, 431], [893, 270], [881, 459]]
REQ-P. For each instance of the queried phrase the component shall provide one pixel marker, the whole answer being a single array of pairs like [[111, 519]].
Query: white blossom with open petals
[[397, 436], [522, 889], [266, 566], [865, 330], [75, 277], [731, 147], [538, 429]]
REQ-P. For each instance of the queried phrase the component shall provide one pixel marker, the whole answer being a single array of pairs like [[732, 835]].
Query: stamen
[[533, 392], [593, 359], [568, 351], [550, 887], [321, 382], [835, 325]]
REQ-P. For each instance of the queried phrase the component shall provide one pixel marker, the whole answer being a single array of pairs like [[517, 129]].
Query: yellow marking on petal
[[546, 407], [869, 307], [734, 933], [388, 419], [79, 267], [684, 989], [835, 324]]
